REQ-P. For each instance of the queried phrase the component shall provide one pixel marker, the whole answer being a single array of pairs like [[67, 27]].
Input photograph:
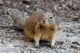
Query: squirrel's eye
[[50, 17]]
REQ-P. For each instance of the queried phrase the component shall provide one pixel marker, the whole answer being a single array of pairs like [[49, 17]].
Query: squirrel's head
[[48, 18]]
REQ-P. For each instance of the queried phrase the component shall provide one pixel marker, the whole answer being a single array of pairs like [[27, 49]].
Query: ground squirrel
[[37, 27]]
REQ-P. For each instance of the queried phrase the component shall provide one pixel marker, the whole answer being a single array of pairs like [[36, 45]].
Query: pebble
[[1, 2]]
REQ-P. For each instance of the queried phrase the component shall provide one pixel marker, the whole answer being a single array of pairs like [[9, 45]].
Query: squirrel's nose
[[43, 21]]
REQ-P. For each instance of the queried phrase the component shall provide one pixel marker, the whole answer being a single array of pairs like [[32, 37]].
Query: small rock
[[7, 2], [1, 2], [60, 42], [10, 46], [28, 2], [75, 46], [31, 49], [62, 1], [75, 7]]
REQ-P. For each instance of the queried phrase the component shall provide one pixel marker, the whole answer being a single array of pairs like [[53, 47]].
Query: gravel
[[67, 16]]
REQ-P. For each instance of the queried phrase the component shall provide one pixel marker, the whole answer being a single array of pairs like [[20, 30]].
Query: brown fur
[[36, 29]]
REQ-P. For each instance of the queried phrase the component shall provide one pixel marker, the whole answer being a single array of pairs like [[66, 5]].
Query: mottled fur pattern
[[36, 29]]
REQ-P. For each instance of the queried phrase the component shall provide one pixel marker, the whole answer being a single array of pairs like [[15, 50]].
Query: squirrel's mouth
[[46, 22]]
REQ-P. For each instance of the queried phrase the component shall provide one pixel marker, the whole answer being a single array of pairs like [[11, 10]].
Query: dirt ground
[[67, 14]]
